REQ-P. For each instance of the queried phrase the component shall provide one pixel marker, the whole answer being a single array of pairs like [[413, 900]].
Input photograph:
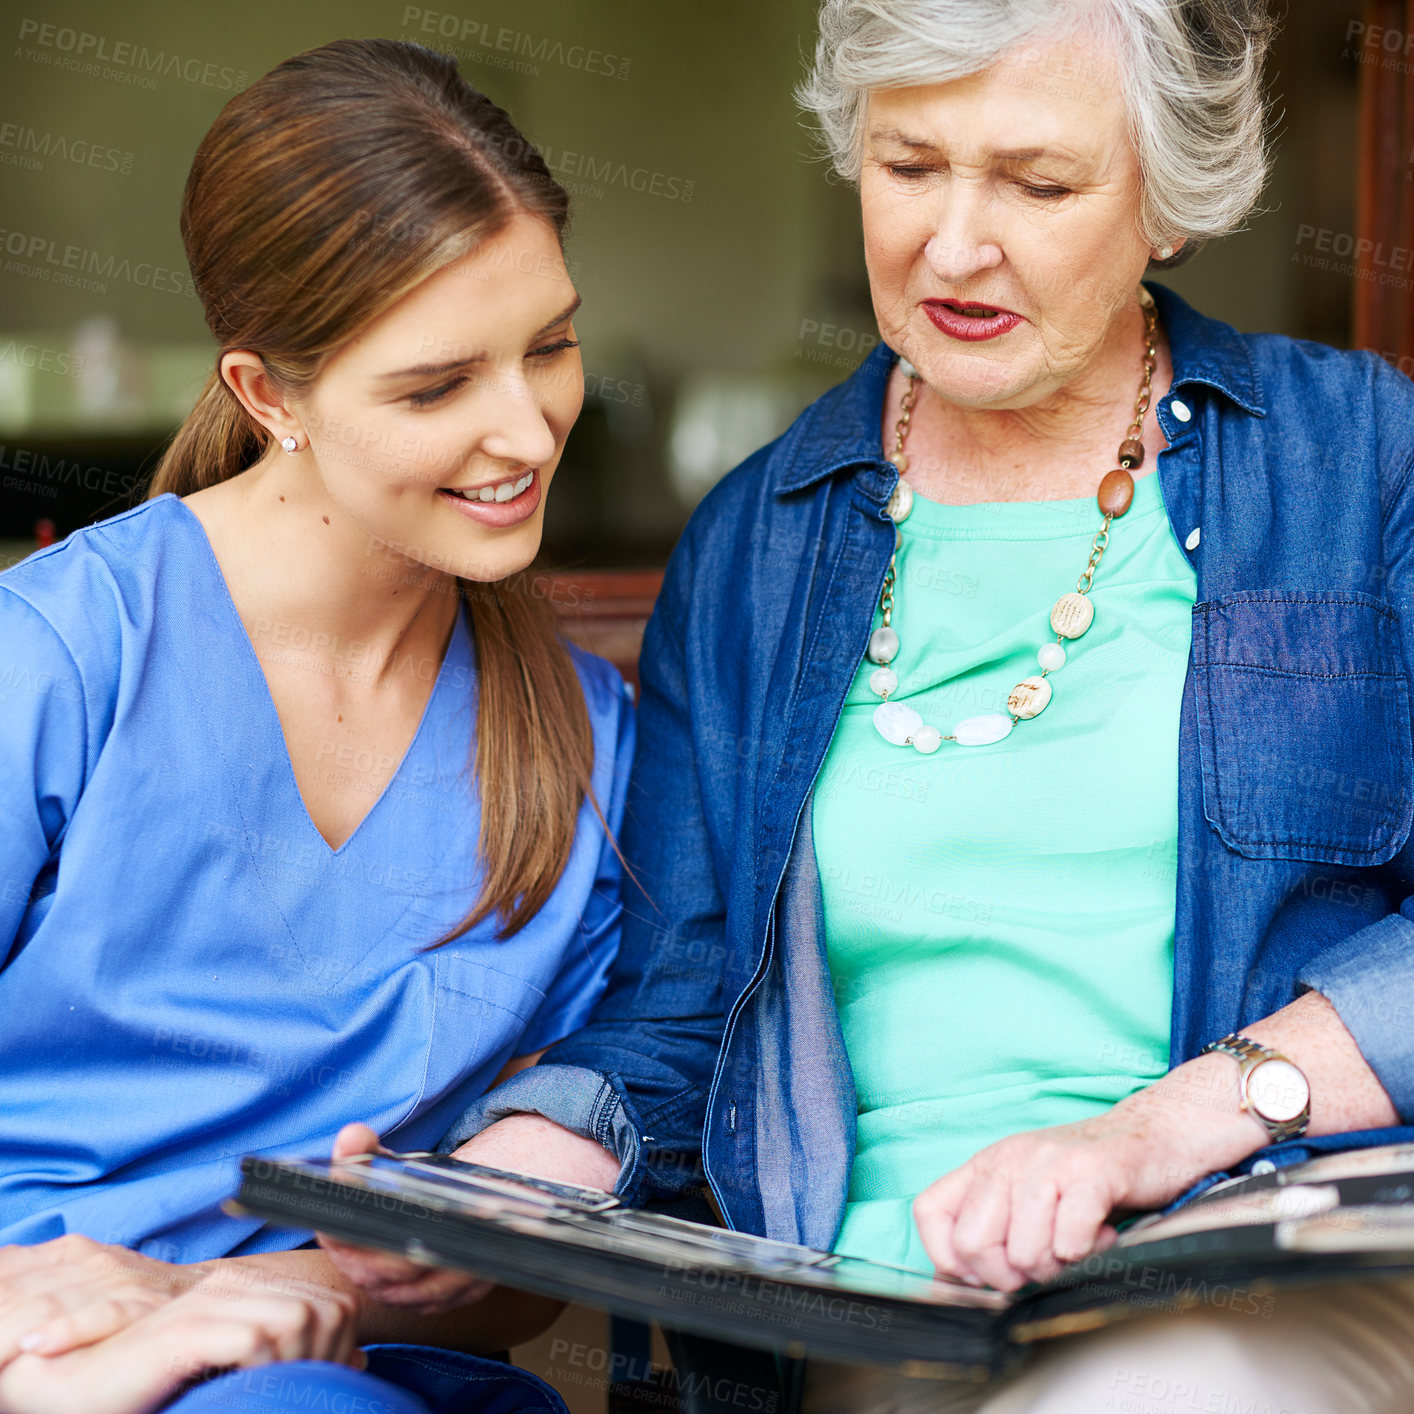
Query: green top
[[999, 919]]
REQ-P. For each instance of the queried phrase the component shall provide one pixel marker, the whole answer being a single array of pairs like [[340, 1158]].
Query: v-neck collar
[[454, 661]]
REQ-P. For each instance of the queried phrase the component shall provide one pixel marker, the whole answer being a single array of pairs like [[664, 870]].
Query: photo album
[[1235, 1245]]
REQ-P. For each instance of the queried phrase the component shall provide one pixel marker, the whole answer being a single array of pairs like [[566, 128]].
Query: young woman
[[303, 803]]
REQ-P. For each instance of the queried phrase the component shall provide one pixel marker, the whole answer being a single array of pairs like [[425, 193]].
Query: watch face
[[1277, 1090]]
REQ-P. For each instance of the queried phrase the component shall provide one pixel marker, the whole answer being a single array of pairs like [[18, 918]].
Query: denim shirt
[[1286, 482]]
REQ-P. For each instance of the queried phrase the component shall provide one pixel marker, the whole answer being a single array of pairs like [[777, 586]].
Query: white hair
[[1190, 75]]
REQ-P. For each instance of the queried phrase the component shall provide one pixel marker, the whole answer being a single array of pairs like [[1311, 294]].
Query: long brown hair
[[320, 196]]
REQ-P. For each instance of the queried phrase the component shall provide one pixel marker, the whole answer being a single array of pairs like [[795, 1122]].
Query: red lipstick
[[970, 321]]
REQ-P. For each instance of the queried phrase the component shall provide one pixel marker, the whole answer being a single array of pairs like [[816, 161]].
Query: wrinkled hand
[[214, 1325], [56, 1296], [1023, 1208], [387, 1277]]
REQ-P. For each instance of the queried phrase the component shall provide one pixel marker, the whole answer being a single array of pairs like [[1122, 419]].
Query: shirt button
[[1180, 410], [1194, 536], [1263, 1166]]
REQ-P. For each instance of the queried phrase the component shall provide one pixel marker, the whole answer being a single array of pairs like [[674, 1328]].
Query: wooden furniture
[[1384, 211], [606, 612]]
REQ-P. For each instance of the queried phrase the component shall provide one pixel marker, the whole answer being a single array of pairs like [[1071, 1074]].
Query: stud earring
[[1165, 251], [289, 444]]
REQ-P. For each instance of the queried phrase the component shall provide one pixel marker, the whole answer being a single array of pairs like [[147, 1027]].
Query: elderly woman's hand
[[1023, 1208]]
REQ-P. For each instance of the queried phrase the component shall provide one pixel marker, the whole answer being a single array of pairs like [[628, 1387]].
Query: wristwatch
[[1274, 1090]]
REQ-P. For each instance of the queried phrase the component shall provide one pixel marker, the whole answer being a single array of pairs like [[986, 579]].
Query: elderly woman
[[1023, 791]]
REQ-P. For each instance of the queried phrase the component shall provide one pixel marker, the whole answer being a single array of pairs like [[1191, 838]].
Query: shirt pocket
[[1303, 725], [479, 1011]]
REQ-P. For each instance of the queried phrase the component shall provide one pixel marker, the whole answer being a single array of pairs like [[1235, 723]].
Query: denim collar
[[841, 431]]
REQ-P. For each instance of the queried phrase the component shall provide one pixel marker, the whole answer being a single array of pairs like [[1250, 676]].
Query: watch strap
[[1242, 1048]]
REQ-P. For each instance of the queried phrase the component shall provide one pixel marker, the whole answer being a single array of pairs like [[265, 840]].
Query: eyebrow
[[424, 370], [1014, 154]]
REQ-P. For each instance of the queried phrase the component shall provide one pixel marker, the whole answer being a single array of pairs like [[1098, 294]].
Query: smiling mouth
[[497, 491]]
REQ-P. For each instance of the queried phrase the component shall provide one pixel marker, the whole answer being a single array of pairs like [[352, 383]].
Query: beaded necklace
[[1071, 615]]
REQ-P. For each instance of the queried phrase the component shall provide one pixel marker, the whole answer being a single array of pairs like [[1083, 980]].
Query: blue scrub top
[[188, 972]]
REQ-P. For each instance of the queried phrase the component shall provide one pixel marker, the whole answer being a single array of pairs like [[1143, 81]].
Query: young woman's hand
[[212, 1326], [72, 1291], [387, 1277], [522, 1143]]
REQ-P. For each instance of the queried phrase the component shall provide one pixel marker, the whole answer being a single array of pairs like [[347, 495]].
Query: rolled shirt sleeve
[[1368, 978], [580, 1100]]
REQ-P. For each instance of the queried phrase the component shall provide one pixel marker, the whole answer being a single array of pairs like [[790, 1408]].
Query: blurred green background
[[719, 260]]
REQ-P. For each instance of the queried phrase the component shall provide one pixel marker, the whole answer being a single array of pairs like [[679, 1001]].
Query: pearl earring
[[289, 444], [1165, 251]]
